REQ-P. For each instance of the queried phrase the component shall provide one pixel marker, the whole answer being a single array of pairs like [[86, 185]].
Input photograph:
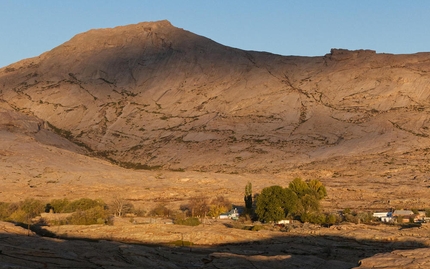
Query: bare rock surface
[[152, 95], [408, 259], [214, 246]]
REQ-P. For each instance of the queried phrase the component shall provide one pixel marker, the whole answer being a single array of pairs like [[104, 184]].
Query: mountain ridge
[[151, 95]]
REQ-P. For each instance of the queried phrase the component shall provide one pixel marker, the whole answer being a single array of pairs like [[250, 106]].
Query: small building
[[406, 216], [232, 214], [382, 214], [403, 213], [387, 219]]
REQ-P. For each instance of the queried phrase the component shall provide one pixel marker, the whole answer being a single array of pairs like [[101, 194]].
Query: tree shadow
[[289, 251]]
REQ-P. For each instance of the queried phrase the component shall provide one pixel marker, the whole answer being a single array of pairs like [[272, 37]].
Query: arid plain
[[156, 114]]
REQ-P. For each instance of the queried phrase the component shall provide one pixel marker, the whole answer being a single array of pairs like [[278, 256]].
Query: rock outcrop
[[152, 95]]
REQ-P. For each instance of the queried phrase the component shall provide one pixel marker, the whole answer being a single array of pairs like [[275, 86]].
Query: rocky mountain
[[151, 95]]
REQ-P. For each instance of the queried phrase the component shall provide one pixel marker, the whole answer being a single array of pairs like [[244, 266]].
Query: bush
[[160, 210], [360, 217], [316, 218], [197, 206], [350, 218], [219, 205], [365, 217], [95, 215], [347, 211], [188, 221], [332, 219], [32, 207], [22, 211], [19, 216], [58, 205], [82, 205], [5, 210], [140, 212]]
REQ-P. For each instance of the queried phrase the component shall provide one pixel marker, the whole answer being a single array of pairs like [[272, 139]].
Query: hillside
[[152, 95], [156, 97]]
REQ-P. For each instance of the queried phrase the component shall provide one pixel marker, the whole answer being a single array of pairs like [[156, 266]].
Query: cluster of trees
[[22, 211], [83, 211], [201, 207], [87, 211], [301, 199], [197, 207]]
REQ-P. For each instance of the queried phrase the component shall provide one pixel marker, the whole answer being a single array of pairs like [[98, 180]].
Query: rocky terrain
[[153, 113], [152, 95], [214, 246]]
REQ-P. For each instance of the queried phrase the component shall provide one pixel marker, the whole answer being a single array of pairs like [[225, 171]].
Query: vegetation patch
[[188, 221], [139, 166]]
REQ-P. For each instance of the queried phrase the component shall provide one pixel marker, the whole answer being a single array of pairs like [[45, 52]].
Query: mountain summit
[[151, 95]]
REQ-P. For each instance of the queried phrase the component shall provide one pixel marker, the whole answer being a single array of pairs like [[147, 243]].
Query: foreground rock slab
[[153, 246], [405, 259]]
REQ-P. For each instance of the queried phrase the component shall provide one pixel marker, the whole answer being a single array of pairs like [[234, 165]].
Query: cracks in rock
[[107, 81], [396, 125], [161, 96], [251, 59], [303, 114], [287, 81], [79, 83]]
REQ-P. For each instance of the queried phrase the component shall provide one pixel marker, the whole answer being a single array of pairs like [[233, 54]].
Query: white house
[[232, 214], [382, 214]]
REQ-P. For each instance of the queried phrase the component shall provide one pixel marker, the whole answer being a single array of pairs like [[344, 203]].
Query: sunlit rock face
[[151, 95]]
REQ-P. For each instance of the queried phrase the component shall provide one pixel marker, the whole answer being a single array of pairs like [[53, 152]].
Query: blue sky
[[286, 27]]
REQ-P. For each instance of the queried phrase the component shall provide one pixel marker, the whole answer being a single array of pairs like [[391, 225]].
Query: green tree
[[248, 196], [309, 203], [274, 203], [300, 187], [291, 202], [317, 188]]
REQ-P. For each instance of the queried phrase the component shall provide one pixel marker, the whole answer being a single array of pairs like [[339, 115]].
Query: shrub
[[347, 211], [316, 218], [22, 211], [140, 212], [351, 218], [198, 206], [365, 217], [5, 210], [188, 221], [59, 205], [332, 219], [95, 215], [219, 205], [82, 205], [160, 210], [19, 216], [32, 207]]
